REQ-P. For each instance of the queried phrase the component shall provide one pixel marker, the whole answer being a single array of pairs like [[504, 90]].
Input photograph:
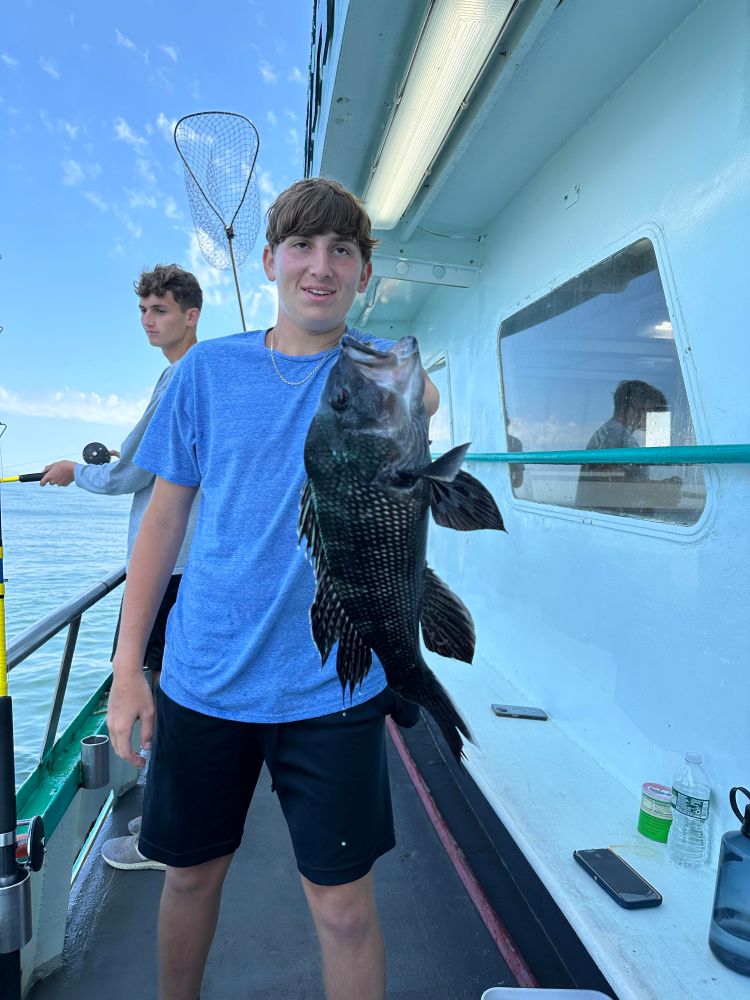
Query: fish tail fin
[[431, 695]]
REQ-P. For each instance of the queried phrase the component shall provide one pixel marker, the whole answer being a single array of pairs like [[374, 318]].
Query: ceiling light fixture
[[456, 41]]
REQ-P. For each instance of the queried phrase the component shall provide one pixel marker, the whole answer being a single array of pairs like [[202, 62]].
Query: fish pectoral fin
[[354, 657], [446, 467], [447, 625], [464, 504]]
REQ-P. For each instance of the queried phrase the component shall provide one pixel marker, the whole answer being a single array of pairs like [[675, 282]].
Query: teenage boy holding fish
[[242, 682]]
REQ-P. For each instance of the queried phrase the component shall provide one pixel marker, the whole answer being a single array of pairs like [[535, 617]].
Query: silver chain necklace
[[309, 375]]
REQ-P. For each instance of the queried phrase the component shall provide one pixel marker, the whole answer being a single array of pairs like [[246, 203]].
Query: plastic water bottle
[[687, 843]]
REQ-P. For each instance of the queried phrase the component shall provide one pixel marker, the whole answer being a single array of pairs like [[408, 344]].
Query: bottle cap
[[694, 758]]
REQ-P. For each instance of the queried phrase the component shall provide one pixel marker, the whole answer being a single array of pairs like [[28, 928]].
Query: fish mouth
[[370, 357]]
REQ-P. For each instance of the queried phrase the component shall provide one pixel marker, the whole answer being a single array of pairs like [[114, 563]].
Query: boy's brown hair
[[315, 206], [165, 278]]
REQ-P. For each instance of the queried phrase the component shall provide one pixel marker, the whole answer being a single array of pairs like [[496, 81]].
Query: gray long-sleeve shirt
[[122, 476]]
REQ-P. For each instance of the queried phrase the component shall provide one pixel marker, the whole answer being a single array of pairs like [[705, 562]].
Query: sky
[[92, 192]]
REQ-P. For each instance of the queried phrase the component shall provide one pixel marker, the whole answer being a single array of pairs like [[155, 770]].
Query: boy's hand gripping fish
[[364, 514]]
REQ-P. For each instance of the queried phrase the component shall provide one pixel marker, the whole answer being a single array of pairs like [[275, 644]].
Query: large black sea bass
[[364, 514]]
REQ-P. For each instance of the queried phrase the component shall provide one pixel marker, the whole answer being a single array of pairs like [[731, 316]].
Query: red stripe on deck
[[497, 929]]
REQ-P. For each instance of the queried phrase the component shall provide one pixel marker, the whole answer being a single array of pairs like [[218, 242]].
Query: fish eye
[[340, 400]]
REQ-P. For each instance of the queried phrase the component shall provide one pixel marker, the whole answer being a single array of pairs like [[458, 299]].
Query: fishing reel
[[96, 454], [31, 846], [15, 890]]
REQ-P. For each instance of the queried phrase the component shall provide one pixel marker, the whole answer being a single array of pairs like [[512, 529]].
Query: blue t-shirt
[[239, 644]]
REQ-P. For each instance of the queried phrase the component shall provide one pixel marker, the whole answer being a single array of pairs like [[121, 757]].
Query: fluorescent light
[[456, 41]]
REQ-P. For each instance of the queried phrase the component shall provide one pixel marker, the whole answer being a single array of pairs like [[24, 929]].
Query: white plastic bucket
[[514, 993]]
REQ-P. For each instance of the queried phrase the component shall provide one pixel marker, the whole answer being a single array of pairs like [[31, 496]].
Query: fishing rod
[[15, 877], [93, 454]]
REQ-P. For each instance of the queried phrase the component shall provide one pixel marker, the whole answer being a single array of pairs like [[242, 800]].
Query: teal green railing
[[699, 454]]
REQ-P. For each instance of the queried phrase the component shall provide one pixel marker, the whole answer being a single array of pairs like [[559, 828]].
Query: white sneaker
[[123, 853], [134, 826]]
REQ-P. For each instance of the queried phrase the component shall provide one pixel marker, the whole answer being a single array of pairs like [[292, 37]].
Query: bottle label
[[689, 806]]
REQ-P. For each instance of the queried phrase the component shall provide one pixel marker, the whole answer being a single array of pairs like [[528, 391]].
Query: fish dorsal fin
[[307, 526], [446, 467], [326, 613], [328, 618], [464, 504], [447, 625]]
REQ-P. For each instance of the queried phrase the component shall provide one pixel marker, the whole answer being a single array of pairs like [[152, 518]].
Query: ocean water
[[57, 543]]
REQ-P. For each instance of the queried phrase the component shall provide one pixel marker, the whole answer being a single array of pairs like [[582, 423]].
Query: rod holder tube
[[15, 913], [95, 761]]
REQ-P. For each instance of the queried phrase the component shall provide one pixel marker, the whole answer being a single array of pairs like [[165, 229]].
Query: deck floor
[[265, 947]]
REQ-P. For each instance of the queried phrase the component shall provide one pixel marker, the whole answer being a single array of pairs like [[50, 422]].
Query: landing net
[[219, 150]]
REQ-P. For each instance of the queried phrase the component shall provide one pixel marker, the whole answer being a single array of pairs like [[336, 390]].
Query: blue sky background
[[92, 192]]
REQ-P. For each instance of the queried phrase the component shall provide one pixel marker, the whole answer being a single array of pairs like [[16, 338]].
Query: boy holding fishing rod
[[170, 302], [242, 682]]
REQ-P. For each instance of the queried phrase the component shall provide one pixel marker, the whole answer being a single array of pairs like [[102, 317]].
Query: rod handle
[[30, 477]]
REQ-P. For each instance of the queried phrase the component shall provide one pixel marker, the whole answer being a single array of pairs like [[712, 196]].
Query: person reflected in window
[[516, 471], [633, 401]]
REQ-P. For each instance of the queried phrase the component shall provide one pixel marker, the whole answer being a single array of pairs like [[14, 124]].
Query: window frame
[[683, 348]]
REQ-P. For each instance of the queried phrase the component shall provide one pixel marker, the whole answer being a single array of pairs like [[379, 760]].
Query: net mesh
[[219, 150]]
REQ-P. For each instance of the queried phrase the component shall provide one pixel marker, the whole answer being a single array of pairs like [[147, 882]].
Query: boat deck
[[438, 946]]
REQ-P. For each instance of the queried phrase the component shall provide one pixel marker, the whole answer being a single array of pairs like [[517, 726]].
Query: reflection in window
[[441, 424], [594, 365]]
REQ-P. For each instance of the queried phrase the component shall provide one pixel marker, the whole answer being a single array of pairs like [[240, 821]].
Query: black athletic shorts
[[155, 646], [330, 774]]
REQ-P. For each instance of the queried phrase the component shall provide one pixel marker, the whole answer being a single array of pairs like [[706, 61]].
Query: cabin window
[[441, 424], [593, 364]]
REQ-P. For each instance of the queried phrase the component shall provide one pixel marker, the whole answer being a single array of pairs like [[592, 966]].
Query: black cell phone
[[520, 712], [617, 878]]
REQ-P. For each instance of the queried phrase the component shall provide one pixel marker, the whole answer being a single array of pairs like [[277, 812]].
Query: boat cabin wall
[[632, 634]]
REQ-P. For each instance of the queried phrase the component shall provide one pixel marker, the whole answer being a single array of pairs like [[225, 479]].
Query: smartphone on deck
[[617, 878], [520, 712]]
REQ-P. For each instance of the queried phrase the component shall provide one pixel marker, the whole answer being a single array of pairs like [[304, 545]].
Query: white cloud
[[140, 199], [170, 51], [260, 306], [272, 119], [266, 184], [290, 114], [132, 227], [72, 172], [166, 126], [145, 170], [9, 60], [70, 129], [49, 67], [125, 42], [125, 132], [295, 75], [170, 208], [267, 71], [72, 404], [96, 200]]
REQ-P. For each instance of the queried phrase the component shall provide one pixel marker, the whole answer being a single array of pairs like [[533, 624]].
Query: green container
[[655, 817]]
